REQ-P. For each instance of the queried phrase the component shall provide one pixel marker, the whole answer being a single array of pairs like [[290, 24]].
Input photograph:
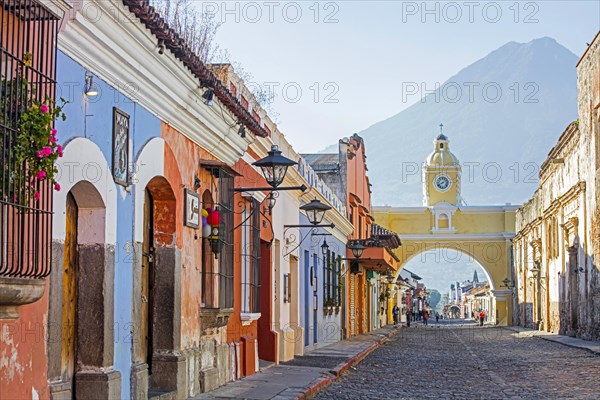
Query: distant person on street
[[425, 316], [408, 316], [437, 317], [481, 317], [396, 312]]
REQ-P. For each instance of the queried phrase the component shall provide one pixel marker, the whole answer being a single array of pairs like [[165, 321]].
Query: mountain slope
[[502, 115]]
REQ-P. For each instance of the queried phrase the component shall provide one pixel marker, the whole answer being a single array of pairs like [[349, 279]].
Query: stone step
[[157, 394]]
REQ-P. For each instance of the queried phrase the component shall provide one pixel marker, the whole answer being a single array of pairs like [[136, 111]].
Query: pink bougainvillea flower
[[52, 139], [37, 195], [53, 132], [57, 186], [44, 108], [59, 150], [47, 150], [40, 175], [40, 154], [15, 198]]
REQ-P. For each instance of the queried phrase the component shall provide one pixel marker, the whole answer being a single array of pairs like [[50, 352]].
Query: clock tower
[[441, 175]]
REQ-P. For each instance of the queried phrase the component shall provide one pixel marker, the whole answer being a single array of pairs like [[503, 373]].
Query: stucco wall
[[91, 118], [328, 326]]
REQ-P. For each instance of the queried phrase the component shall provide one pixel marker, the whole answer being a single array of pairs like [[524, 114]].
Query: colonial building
[[175, 267], [557, 279], [322, 265], [370, 256], [406, 284], [481, 234], [138, 296], [27, 63]]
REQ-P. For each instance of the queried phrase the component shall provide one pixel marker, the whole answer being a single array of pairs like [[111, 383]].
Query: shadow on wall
[[577, 312]]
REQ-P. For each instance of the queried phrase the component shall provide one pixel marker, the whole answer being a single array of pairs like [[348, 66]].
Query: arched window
[[443, 222]]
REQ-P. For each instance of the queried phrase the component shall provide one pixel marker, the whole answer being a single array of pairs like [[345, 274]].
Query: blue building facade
[[90, 121]]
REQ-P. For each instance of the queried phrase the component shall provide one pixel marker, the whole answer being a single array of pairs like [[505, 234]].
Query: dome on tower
[[441, 155]]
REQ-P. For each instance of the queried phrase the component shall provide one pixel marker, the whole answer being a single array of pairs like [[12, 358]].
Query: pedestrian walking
[[425, 316], [437, 317], [396, 312], [408, 317], [481, 317]]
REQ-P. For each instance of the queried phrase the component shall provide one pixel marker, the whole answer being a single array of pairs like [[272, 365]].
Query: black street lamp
[[324, 248], [390, 278], [507, 283], [274, 166], [357, 249], [315, 211], [272, 201]]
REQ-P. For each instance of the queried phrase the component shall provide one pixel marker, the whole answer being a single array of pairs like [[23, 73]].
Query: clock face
[[442, 183]]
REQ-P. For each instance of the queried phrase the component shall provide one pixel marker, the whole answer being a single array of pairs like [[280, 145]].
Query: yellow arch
[[473, 258], [482, 233]]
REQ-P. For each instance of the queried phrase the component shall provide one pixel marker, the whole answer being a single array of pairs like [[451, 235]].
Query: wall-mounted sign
[[191, 211], [120, 153]]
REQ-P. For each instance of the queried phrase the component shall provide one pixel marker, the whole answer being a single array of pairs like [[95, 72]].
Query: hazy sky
[[440, 268], [337, 67]]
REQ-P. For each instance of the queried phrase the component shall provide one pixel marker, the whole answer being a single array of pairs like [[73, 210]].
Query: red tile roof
[[176, 45]]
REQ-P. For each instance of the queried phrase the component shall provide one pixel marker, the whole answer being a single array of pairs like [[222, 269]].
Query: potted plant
[[32, 142]]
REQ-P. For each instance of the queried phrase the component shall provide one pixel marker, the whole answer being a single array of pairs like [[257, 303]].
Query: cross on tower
[[441, 128]]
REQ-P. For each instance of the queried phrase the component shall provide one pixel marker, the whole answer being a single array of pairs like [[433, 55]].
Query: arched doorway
[[155, 290], [86, 293]]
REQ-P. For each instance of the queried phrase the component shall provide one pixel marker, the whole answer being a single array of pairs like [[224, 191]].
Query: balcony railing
[[28, 70]]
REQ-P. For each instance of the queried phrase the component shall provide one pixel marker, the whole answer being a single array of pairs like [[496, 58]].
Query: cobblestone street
[[465, 361]]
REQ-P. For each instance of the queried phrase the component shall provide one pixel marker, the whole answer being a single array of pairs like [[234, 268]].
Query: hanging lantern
[[215, 242], [213, 218], [274, 166], [315, 211]]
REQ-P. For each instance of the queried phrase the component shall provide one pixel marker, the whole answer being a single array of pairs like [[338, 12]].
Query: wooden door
[[352, 305], [147, 281], [69, 307]]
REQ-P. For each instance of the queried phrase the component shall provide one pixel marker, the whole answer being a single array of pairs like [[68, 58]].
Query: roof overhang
[[377, 259]]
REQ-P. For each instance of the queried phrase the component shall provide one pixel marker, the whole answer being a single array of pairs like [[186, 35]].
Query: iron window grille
[[28, 72], [217, 280], [331, 280], [338, 281], [251, 258], [226, 185]]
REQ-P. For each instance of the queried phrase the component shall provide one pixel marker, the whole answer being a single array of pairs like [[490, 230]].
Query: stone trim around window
[[248, 318]]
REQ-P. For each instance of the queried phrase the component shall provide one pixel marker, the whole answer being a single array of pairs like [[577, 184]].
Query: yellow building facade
[[443, 223]]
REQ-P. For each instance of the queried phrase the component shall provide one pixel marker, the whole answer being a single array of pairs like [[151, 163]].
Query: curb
[[342, 367], [555, 339], [572, 345]]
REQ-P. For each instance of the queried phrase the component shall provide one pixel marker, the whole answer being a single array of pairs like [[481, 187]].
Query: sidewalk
[[304, 375], [588, 345]]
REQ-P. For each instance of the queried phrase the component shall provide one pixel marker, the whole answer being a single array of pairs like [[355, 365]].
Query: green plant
[[34, 147]]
